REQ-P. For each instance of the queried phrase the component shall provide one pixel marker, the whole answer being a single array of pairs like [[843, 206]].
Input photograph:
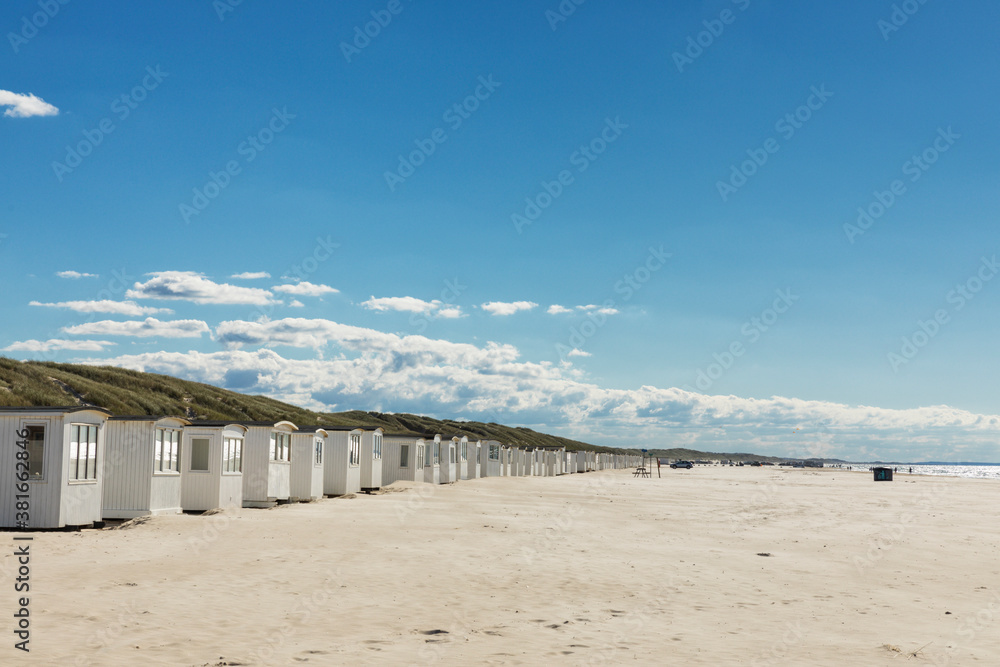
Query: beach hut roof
[[219, 422]]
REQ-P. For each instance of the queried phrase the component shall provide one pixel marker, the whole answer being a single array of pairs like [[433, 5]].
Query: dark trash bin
[[882, 474]]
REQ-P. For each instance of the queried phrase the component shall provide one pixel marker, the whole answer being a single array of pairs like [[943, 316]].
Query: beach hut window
[[465, 451], [83, 453], [437, 453], [355, 450], [36, 450], [318, 460], [199, 454], [165, 450], [427, 456], [378, 447], [232, 455], [451, 451], [281, 446], [404, 456]]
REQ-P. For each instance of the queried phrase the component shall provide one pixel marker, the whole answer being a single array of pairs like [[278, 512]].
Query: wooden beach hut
[[514, 469], [142, 466], [553, 462], [342, 463], [212, 466], [267, 456], [306, 470], [462, 455], [402, 458], [489, 456], [52, 462], [432, 459], [371, 460], [449, 463], [472, 464]]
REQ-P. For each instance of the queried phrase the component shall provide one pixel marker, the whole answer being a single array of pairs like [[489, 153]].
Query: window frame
[[160, 455], [354, 449], [404, 456], [231, 455], [281, 447], [318, 452], [208, 455], [30, 425], [73, 476]]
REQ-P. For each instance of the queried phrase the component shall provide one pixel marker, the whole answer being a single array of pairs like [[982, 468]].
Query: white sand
[[589, 569]]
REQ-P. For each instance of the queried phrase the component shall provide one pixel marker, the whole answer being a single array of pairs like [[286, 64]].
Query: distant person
[[911, 470]]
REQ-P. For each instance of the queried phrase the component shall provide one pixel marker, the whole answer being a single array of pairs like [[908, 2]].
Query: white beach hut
[[267, 456], [514, 469], [472, 464], [212, 466], [432, 459], [342, 463], [449, 462], [142, 466], [402, 458], [489, 457], [306, 470], [52, 464], [552, 467], [462, 456], [371, 460]]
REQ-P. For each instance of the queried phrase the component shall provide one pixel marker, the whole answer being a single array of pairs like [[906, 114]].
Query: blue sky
[[638, 226]]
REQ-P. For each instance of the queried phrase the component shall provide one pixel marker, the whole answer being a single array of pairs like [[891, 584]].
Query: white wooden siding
[[392, 471], [371, 467], [305, 476], [131, 487], [339, 476], [202, 491], [264, 481]]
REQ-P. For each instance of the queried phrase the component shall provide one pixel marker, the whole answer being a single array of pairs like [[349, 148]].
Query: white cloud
[[576, 352], [127, 308], [195, 287], [405, 304], [76, 275], [372, 370], [250, 275], [296, 304], [450, 313], [25, 106], [145, 329], [501, 308], [305, 289], [602, 310], [410, 304], [558, 310], [56, 344]]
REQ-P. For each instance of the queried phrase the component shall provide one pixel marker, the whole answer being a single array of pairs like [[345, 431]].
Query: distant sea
[[980, 470]]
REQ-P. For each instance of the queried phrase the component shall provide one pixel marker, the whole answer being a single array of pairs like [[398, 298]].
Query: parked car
[[681, 464]]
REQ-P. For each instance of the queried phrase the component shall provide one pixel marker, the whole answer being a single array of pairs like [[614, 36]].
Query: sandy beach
[[710, 566]]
